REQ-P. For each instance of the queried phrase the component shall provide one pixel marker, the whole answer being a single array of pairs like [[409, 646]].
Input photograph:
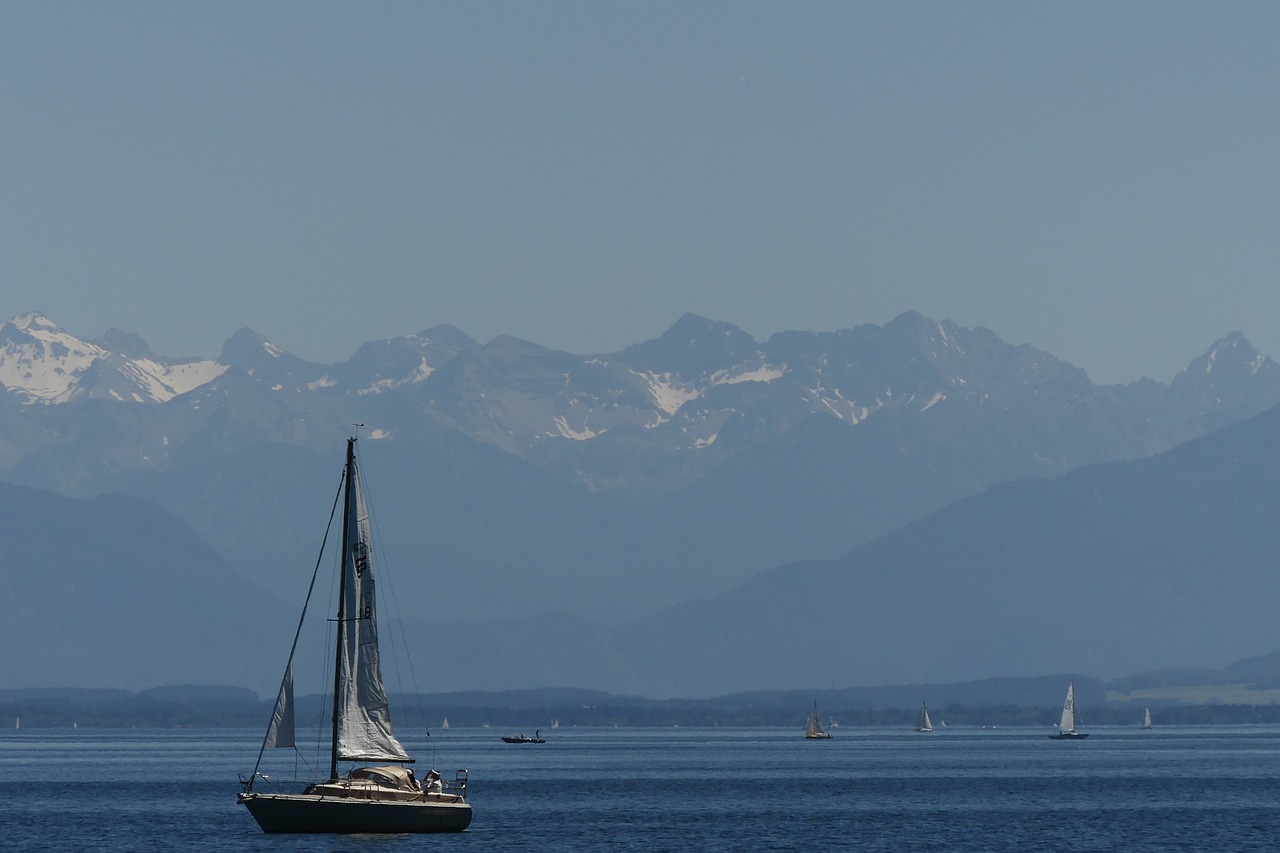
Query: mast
[[342, 599]]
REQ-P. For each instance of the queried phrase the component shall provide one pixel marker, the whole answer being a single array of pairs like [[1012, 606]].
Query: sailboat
[[813, 730], [1067, 725], [923, 723], [1146, 718], [385, 798]]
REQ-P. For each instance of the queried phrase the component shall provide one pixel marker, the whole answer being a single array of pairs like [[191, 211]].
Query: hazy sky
[[1099, 180]]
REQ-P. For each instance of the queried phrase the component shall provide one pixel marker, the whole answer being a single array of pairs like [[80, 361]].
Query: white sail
[[280, 731], [923, 723], [1146, 718], [813, 728], [364, 721], [1068, 722]]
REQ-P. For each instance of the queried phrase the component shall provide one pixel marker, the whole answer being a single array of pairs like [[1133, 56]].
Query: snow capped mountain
[[382, 366], [41, 363], [1230, 360], [657, 413]]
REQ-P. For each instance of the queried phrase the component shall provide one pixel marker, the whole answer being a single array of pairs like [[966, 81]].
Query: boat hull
[[306, 813], [1069, 736]]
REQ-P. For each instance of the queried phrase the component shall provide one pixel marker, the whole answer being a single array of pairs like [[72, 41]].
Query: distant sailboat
[[17, 722], [813, 730], [1067, 725], [923, 723], [555, 724], [445, 725], [1146, 718]]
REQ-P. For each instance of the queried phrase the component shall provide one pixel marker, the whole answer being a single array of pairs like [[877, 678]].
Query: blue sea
[[1190, 788]]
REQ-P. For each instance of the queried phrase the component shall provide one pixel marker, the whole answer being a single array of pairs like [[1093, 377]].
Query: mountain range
[[696, 514]]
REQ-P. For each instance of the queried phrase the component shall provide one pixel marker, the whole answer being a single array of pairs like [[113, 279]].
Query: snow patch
[[667, 395], [837, 412], [937, 397], [763, 373], [424, 370], [187, 377], [567, 431], [419, 374], [43, 361], [377, 387]]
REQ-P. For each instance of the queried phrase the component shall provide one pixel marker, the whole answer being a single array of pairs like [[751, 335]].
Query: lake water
[[1192, 788]]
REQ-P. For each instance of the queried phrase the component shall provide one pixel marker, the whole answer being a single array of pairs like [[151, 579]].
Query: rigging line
[[326, 679], [391, 598], [301, 618]]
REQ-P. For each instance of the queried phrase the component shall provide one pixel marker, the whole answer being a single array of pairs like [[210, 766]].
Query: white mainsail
[[364, 721], [1068, 721], [1146, 718], [923, 723]]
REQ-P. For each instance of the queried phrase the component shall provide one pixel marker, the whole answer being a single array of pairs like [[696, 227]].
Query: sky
[[1099, 180]]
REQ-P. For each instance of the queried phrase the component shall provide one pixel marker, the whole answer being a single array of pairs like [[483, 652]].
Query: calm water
[[1194, 788]]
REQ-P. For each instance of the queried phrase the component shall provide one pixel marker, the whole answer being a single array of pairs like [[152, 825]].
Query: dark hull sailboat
[[298, 813], [369, 799]]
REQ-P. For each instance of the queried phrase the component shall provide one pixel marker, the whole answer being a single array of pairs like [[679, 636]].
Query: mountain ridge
[[515, 481]]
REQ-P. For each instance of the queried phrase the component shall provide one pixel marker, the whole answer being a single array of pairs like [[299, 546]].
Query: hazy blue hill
[[115, 592], [264, 506], [1126, 567], [1121, 567], [455, 542]]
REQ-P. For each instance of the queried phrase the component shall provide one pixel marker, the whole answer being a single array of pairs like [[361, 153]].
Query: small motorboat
[[523, 738]]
